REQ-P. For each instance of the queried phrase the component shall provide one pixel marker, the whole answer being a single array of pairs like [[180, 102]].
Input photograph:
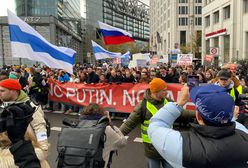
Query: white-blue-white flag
[[28, 43], [101, 53], [126, 55]]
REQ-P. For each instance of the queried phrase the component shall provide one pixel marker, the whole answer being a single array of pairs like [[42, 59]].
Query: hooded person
[[216, 141], [154, 98]]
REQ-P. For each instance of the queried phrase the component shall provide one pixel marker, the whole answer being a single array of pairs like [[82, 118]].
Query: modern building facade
[[225, 27], [174, 22], [129, 15], [58, 21]]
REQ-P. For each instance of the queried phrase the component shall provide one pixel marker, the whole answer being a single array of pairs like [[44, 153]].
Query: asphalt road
[[132, 156]]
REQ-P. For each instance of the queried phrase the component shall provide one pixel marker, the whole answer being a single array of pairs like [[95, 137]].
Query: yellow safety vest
[[232, 94], [153, 110], [240, 89]]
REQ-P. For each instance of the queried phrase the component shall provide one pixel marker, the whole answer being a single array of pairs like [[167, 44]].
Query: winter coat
[[38, 123], [134, 120]]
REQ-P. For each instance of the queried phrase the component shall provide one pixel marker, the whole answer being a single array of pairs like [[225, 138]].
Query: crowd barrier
[[118, 97]]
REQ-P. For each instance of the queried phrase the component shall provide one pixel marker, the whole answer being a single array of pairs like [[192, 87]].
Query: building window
[[198, 21], [182, 38], [216, 17], [226, 49], [183, 21], [245, 6], [216, 42], [183, 10], [183, 1], [226, 12], [207, 46], [198, 10], [207, 21], [198, 1]]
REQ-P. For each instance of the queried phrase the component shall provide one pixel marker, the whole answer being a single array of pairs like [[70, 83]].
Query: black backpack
[[81, 145]]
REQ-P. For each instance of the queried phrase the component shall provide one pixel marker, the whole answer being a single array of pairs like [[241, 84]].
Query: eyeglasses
[[223, 79]]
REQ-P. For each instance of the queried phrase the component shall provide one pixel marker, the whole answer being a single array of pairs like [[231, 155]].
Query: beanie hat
[[12, 76], [11, 84], [157, 84]]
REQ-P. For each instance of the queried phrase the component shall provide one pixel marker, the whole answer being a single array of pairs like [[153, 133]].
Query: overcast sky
[[145, 1], [7, 4]]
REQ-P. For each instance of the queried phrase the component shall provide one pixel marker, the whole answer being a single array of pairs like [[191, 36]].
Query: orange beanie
[[157, 84], [12, 84]]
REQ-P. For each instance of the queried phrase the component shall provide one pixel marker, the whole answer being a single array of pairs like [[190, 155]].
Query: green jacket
[[134, 119]]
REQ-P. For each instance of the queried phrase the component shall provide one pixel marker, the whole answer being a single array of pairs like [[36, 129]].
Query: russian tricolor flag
[[113, 35]]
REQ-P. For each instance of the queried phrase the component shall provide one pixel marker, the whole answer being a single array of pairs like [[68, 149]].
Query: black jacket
[[215, 147], [93, 78], [24, 155]]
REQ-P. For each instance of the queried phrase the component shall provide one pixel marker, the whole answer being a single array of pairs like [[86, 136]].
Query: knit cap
[[12, 84], [157, 84]]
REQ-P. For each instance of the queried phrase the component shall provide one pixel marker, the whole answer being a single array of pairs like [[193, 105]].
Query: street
[[132, 156]]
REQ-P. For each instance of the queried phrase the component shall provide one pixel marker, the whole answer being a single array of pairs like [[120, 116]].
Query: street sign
[[214, 51]]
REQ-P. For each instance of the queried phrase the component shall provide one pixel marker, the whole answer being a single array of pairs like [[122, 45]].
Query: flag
[[113, 35], [125, 59], [28, 43], [126, 55], [101, 53], [158, 38]]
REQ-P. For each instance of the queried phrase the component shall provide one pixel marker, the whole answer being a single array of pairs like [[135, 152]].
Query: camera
[[12, 112]]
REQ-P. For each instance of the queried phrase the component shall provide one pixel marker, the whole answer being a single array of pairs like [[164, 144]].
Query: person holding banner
[[153, 100]]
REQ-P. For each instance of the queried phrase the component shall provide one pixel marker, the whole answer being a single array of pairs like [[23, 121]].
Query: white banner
[[184, 59]]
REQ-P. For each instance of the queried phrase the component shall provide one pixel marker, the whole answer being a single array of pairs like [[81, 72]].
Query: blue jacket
[[169, 142]]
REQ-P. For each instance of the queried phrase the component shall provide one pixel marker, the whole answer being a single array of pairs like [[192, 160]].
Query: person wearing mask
[[216, 141], [154, 99]]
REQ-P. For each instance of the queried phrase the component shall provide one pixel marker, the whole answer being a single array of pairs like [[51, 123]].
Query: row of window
[[184, 10], [226, 14], [184, 21], [216, 16], [186, 1]]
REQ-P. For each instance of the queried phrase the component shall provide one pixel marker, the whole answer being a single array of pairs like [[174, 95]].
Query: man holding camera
[[216, 141], [11, 93]]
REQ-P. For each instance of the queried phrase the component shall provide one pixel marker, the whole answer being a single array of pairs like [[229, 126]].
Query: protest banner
[[209, 58], [120, 97], [184, 59]]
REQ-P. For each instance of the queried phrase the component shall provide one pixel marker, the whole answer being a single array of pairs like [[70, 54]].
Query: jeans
[[156, 163]]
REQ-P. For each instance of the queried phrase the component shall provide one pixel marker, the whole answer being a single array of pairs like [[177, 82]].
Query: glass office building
[[129, 15], [58, 21]]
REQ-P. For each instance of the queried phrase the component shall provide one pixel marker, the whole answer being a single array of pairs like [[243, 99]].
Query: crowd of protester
[[34, 80]]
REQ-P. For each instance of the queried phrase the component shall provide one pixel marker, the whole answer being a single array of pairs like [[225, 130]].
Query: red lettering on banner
[[121, 98], [216, 32]]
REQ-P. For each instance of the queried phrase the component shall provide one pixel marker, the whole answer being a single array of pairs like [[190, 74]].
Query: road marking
[[56, 128], [138, 140]]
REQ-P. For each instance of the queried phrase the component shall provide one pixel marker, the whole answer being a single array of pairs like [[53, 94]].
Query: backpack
[[81, 145]]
